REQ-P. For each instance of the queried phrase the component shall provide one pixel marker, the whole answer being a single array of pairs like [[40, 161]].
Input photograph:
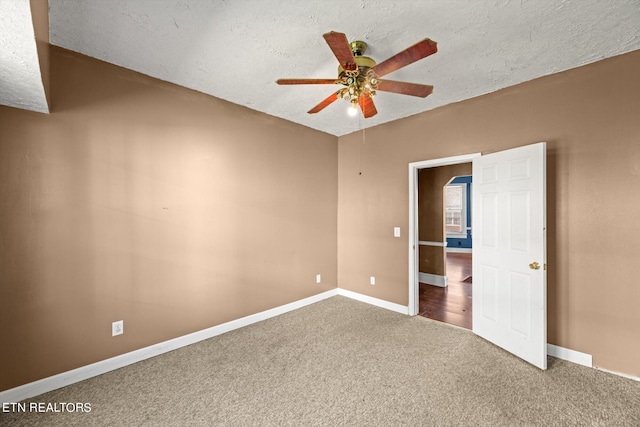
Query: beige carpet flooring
[[344, 363]]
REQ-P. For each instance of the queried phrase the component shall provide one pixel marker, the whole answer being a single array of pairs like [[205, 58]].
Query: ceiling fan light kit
[[360, 75]]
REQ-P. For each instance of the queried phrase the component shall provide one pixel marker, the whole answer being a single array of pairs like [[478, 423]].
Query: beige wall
[[143, 201], [431, 183], [140, 200], [589, 118]]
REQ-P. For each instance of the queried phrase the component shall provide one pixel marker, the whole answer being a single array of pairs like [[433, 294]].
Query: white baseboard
[[402, 309], [451, 249], [583, 359], [433, 279], [85, 372], [631, 377]]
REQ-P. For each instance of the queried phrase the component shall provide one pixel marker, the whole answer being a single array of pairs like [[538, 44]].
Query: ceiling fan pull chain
[[360, 150]]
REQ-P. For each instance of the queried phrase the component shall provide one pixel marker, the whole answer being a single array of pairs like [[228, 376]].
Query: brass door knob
[[534, 266]]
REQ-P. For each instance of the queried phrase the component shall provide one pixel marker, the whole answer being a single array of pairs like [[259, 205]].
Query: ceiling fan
[[360, 75]]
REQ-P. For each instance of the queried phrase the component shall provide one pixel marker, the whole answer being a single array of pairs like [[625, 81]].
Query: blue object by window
[[458, 212]]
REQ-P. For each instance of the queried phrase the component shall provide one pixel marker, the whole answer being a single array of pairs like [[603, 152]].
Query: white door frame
[[413, 219]]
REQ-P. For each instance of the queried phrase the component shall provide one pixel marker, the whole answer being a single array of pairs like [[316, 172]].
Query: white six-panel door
[[509, 251]]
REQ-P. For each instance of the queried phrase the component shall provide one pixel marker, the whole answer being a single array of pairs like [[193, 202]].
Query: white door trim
[[414, 167]]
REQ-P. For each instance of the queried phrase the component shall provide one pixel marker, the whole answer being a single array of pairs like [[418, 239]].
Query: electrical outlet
[[117, 328], [318, 278], [372, 280]]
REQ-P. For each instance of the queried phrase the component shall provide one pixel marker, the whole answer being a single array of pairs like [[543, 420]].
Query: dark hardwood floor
[[451, 304]]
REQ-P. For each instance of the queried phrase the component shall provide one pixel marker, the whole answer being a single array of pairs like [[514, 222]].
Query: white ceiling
[[236, 50], [20, 79]]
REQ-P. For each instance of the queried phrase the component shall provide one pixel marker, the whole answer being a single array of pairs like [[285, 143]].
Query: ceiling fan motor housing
[[363, 62], [358, 48], [362, 80]]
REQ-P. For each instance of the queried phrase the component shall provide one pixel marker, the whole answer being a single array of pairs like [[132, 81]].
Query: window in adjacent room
[[455, 210]]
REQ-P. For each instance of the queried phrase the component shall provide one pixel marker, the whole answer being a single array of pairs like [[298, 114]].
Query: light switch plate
[[396, 231]]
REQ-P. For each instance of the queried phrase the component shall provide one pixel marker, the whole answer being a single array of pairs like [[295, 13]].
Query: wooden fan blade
[[340, 47], [324, 103], [307, 81], [367, 106], [408, 56], [405, 88]]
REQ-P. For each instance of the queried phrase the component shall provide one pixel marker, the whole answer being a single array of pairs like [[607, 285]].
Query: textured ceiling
[[236, 50], [20, 79]]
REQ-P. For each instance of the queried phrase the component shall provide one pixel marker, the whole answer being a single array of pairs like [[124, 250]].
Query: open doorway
[[439, 285], [444, 233]]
